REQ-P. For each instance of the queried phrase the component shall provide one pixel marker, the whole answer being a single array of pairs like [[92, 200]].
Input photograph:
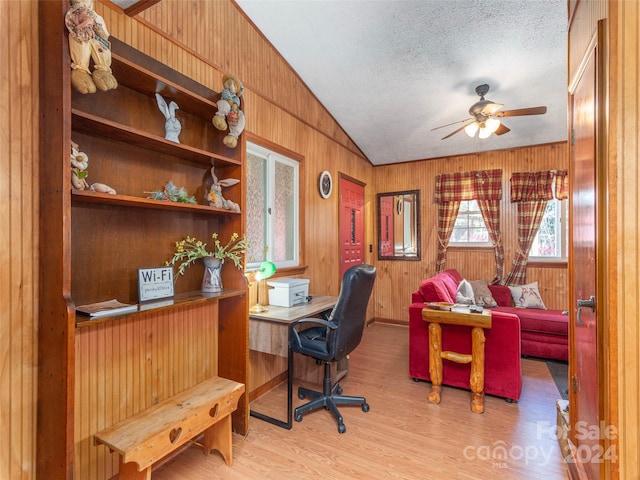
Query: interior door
[[584, 374], [351, 224]]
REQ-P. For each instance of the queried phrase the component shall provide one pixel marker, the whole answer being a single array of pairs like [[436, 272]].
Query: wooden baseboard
[[388, 321], [262, 389]]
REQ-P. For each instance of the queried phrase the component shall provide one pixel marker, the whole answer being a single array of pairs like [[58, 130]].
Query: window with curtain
[[485, 187], [532, 191], [469, 229], [272, 208], [551, 240]]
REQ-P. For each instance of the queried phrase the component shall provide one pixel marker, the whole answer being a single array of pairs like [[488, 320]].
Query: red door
[[583, 368], [351, 224]]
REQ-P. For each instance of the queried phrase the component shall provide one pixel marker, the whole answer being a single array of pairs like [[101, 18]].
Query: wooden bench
[[155, 432]]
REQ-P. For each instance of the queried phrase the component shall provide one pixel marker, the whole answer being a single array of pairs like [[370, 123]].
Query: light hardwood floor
[[401, 437]]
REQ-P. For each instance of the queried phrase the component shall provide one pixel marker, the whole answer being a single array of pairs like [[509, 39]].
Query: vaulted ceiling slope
[[389, 71]]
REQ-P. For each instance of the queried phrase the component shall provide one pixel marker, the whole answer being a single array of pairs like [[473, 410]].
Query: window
[[469, 229], [272, 208], [551, 240]]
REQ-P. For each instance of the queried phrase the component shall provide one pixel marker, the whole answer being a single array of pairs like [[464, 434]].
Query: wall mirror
[[399, 225]]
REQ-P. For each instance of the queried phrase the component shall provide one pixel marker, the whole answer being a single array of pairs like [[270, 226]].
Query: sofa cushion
[[502, 295], [464, 296], [551, 322], [451, 278], [441, 287], [527, 296], [482, 294], [433, 290]]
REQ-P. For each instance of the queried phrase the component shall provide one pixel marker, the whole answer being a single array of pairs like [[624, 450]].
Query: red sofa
[[514, 332]]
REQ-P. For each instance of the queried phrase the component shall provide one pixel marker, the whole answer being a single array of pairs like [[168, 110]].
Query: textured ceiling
[[389, 71]]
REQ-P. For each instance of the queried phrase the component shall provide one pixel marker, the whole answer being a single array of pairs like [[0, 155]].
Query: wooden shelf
[[148, 77], [139, 202], [93, 125], [161, 304]]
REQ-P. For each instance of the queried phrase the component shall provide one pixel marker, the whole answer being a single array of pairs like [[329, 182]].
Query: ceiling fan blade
[[453, 123], [457, 130], [522, 111], [502, 129]]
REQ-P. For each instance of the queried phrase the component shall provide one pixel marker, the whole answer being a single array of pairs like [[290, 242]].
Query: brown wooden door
[[584, 404], [351, 224]]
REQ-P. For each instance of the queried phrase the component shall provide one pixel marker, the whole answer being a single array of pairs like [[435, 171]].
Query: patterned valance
[[475, 185], [534, 186]]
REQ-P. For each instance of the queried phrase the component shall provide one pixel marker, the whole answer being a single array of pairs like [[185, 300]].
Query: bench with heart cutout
[[153, 433]]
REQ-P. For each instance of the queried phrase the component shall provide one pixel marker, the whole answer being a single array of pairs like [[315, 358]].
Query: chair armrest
[[317, 321], [313, 321]]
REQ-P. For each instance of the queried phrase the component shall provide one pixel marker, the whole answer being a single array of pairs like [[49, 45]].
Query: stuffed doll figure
[[229, 114], [79, 165], [88, 40]]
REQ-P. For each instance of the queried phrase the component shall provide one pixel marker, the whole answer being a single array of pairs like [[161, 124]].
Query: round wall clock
[[325, 184]]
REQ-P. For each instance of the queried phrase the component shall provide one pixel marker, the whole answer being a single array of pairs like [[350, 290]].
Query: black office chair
[[332, 339]]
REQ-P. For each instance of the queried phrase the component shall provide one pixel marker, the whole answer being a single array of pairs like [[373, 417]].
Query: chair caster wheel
[[339, 390], [342, 428], [301, 396], [298, 417], [365, 407]]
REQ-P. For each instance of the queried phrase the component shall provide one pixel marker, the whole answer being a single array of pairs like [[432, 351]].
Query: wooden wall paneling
[[283, 111], [392, 295], [623, 326], [19, 213], [585, 17], [152, 358]]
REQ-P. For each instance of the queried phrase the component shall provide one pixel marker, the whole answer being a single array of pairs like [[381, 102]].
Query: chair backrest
[[350, 311]]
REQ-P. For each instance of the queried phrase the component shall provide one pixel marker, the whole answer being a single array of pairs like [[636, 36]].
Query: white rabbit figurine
[[213, 192], [172, 126]]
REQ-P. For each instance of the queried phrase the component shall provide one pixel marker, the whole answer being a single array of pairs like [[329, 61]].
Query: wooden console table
[[269, 333], [457, 316]]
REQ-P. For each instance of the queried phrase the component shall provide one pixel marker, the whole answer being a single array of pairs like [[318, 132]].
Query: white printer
[[287, 292]]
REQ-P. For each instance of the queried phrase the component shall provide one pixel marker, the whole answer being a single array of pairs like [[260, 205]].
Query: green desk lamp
[[266, 270]]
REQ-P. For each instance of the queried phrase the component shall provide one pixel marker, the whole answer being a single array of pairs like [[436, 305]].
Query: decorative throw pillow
[[464, 296], [482, 294], [527, 296]]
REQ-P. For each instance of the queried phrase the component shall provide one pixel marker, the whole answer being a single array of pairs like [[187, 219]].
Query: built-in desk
[[268, 330], [269, 335]]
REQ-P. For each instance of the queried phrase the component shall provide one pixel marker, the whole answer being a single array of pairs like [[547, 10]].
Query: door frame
[[598, 48]]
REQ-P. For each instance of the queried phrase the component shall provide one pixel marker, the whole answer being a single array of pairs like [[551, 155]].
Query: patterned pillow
[[482, 294], [527, 296], [464, 296]]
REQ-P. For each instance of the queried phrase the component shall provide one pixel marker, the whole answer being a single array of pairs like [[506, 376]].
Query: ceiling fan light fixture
[[492, 125], [471, 129], [484, 133]]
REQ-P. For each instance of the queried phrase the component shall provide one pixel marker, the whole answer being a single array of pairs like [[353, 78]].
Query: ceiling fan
[[485, 116]]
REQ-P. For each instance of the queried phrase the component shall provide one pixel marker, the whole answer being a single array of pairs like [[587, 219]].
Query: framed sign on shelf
[[155, 283]]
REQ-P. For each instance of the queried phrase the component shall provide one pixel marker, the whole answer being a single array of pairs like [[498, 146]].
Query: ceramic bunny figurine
[[213, 192], [172, 126]]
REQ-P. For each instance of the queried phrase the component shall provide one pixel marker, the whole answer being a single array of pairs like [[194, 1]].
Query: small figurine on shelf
[[79, 165], [172, 193], [172, 126], [213, 192], [229, 114], [102, 188], [88, 38]]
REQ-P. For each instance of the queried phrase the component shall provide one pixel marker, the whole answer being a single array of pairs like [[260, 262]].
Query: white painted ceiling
[[389, 71]]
